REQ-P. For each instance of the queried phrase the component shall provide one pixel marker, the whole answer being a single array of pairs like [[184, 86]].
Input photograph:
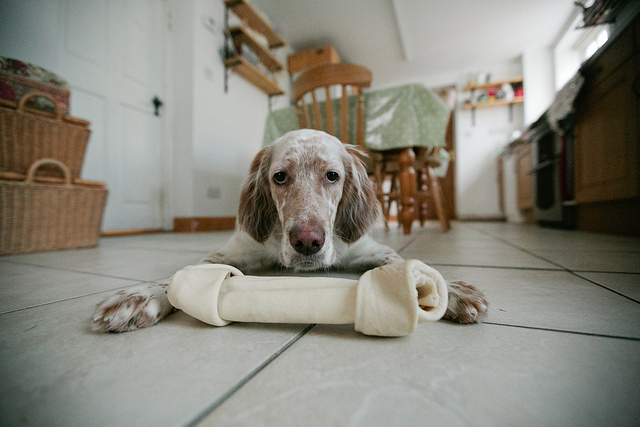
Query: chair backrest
[[324, 77]]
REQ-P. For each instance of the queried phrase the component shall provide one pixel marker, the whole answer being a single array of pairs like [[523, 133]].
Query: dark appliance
[[553, 174]]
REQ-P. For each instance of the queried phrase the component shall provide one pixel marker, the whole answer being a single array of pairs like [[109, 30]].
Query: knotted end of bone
[[195, 290], [393, 299]]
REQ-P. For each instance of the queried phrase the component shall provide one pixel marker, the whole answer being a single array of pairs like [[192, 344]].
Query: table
[[400, 120]]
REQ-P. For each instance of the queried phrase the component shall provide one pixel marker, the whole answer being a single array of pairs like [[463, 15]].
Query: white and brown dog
[[306, 205]]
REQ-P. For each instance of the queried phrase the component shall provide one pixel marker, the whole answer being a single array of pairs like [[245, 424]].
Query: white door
[[112, 55]]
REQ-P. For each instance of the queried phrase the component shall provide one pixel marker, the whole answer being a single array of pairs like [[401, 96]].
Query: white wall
[[539, 82], [30, 36], [566, 58], [180, 54], [478, 147], [223, 131], [214, 135]]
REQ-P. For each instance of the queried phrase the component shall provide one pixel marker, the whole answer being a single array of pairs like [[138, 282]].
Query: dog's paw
[[391, 258], [134, 308], [466, 303]]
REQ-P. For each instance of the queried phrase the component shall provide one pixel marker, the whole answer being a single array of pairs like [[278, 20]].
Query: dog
[[307, 205]]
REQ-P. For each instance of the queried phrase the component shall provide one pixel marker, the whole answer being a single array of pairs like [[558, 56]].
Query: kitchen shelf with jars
[[503, 93]]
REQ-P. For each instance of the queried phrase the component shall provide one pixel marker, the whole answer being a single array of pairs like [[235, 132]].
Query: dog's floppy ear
[[359, 208], [257, 213]]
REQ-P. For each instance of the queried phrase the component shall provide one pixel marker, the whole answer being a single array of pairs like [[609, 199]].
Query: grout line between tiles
[[521, 249], [503, 267], [605, 287], [562, 267], [216, 404], [631, 273], [137, 283], [79, 271], [413, 239], [144, 248], [562, 331]]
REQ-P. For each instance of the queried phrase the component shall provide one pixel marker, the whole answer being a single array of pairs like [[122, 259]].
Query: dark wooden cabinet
[[607, 137], [524, 179]]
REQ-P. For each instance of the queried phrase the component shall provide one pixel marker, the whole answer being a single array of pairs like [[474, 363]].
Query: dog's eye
[[332, 176], [280, 177]]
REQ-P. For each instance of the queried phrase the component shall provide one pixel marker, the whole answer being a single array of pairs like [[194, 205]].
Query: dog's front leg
[[244, 253], [367, 253]]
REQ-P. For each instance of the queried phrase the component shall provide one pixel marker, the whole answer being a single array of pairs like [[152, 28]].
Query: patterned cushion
[[18, 78]]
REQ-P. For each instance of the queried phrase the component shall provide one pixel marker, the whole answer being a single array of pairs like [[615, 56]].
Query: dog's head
[[309, 187]]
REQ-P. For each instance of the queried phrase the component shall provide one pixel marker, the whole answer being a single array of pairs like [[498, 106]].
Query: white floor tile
[[23, 286], [551, 299], [592, 260], [557, 348], [472, 253], [626, 284], [444, 375], [56, 371], [189, 242], [534, 237], [126, 263]]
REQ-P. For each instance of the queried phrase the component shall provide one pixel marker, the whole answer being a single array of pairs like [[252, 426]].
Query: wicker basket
[[37, 216], [28, 135]]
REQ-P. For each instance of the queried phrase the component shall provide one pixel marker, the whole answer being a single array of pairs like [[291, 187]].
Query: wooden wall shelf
[[248, 14], [470, 87], [496, 103], [244, 68], [240, 36], [492, 103]]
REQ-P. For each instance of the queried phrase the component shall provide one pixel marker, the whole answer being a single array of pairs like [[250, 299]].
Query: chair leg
[[394, 195], [438, 198], [379, 173], [421, 200], [407, 177]]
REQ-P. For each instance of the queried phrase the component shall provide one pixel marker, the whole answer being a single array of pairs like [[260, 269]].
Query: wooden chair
[[397, 164], [326, 77], [388, 166]]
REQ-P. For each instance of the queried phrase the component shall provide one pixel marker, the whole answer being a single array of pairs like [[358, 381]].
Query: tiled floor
[[560, 346]]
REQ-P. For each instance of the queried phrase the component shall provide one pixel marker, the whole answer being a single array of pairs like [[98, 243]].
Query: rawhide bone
[[387, 301]]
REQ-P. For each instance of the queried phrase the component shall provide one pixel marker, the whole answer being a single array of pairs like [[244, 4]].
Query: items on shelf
[[494, 94], [599, 12]]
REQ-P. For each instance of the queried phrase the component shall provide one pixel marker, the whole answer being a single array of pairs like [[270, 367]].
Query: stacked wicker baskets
[[44, 205]]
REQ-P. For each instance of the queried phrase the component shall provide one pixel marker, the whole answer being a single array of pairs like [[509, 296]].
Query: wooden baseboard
[[131, 232], [203, 223], [481, 218]]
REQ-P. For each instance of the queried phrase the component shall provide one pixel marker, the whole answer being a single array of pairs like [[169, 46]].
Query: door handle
[[157, 103]]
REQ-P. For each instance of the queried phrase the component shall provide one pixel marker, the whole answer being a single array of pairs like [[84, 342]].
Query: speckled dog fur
[[306, 205]]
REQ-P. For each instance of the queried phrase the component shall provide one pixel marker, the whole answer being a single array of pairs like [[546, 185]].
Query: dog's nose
[[306, 240]]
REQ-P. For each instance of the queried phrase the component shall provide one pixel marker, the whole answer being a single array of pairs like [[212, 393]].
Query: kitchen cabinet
[[524, 181], [607, 137]]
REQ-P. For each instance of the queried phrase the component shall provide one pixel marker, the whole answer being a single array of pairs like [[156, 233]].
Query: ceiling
[[404, 39]]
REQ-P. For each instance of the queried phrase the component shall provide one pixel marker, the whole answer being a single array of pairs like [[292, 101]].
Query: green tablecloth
[[398, 117]]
